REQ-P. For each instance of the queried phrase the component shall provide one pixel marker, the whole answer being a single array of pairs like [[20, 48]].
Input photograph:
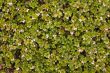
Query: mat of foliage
[[54, 36]]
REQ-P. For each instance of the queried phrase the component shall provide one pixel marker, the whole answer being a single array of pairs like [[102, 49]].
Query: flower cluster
[[54, 36]]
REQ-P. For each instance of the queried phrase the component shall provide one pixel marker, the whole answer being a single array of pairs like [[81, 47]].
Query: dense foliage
[[54, 36]]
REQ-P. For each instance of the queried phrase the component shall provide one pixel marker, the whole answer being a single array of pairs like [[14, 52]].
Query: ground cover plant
[[54, 36]]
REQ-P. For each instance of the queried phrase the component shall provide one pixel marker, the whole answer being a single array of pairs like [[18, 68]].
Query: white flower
[[44, 29], [27, 10], [34, 45], [104, 57], [17, 9], [84, 38], [15, 30], [47, 14], [22, 56], [94, 42], [96, 66], [101, 18], [82, 62], [33, 40], [10, 4], [104, 4], [59, 32], [106, 29], [29, 26], [104, 69], [75, 28], [55, 15], [26, 50], [84, 10], [28, 37], [62, 56], [66, 29], [50, 22], [71, 32], [99, 0], [56, 68], [4, 25], [67, 18], [47, 35], [17, 68], [21, 30], [19, 44], [12, 59], [37, 30], [80, 50], [37, 14], [86, 30], [92, 62], [99, 60], [72, 21], [32, 67], [33, 18], [54, 36], [23, 21], [41, 11], [8, 10], [95, 52], [80, 20], [108, 15]]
